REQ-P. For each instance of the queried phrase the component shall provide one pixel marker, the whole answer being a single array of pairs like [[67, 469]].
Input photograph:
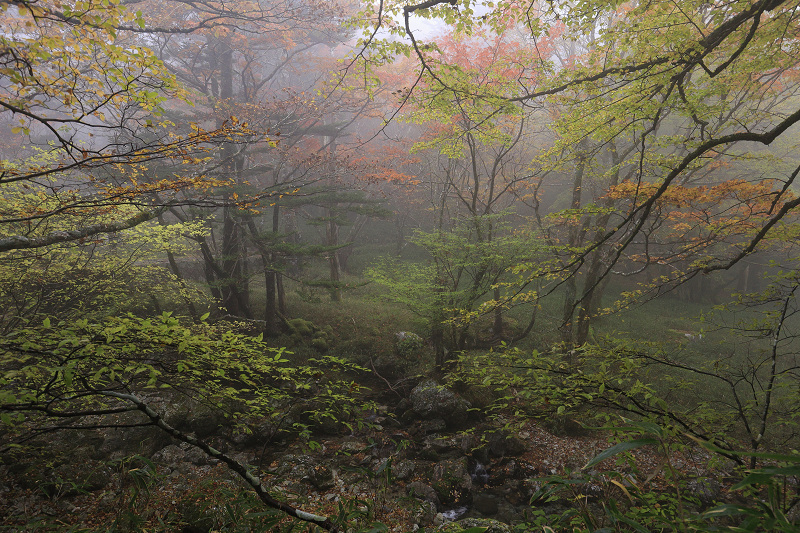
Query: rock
[[563, 426], [492, 526], [424, 513], [408, 344], [502, 444], [452, 482], [430, 400], [486, 504], [432, 426], [706, 490], [321, 476], [403, 470], [306, 468], [350, 447], [442, 445], [174, 454], [424, 492], [428, 453]]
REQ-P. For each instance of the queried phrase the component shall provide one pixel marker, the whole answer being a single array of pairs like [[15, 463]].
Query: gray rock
[[441, 444], [423, 492], [350, 447], [403, 470], [424, 513], [432, 426], [486, 504], [502, 444], [493, 526], [174, 454], [452, 482], [306, 468], [428, 453], [706, 490], [321, 476], [430, 400]]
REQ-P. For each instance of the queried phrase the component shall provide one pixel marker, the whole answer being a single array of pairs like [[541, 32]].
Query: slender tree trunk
[[281, 294], [576, 233], [333, 258], [270, 319], [176, 271], [498, 314], [210, 269], [234, 288], [594, 287]]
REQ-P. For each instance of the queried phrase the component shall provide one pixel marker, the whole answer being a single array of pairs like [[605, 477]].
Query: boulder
[[424, 492], [486, 504], [183, 453], [424, 513], [403, 470], [492, 526], [706, 490], [453, 482], [429, 400], [306, 468], [502, 444]]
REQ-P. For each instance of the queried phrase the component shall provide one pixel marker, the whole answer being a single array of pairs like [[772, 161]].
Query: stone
[[350, 447], [432, 426], [492, 526], [424, 513], [452, 482], [502, 444], [706, 490], [321, 476], [424, 492], [403, 470], [486, 504], [430, 400]]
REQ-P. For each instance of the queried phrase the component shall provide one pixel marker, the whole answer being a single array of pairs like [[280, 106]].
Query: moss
[[319, 343], [301, 327]]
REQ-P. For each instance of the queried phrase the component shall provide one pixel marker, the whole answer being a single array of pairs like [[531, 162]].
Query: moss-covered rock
[[431, 400], [492, 526], [303, 328], [320, 344]]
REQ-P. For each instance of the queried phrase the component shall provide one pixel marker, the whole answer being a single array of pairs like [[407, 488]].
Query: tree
[[75, 88], [76, 376], [91, 102], [704, 88]]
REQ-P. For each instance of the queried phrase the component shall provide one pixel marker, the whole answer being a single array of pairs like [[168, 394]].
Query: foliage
[[76, 369], [451, 291], [408, 344], [646, 380], [629, 499]]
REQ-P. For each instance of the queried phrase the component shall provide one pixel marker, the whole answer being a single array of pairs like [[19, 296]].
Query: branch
[[19, 242], [233, 464]]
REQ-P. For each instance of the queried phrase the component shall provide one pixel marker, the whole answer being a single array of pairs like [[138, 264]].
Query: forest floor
[[404, 471]]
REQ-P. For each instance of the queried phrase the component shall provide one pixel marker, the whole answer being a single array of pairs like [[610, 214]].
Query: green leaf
[[619, 448], [766, 475]]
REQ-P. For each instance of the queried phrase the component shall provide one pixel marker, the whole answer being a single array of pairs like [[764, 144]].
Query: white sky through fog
[[427, 28]]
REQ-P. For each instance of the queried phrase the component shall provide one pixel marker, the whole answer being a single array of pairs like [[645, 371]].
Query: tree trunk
[[498, 314], [333, 257], [575, 237]]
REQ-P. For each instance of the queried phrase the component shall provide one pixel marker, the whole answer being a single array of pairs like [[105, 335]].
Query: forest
[[398, 265]]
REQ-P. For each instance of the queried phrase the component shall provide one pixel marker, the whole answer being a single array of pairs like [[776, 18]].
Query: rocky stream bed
[[425, 462]]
